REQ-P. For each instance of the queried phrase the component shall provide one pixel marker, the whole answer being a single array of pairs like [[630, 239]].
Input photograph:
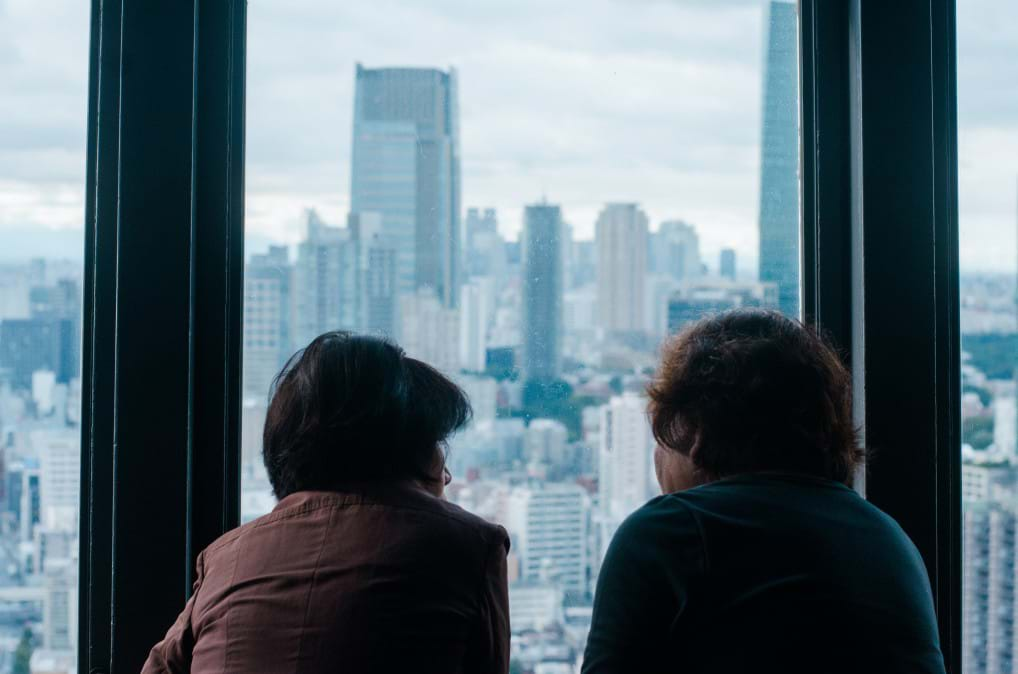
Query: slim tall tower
[[543, 279], [406, 166], [779, 169], [621, 267]]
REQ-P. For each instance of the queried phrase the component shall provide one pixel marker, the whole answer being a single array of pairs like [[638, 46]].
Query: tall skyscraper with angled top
[[779, 170], [406, 167]]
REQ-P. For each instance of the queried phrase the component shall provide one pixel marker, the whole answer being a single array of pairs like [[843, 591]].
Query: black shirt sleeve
[[643, 589]]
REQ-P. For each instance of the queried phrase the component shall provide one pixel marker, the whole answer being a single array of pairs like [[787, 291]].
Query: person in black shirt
[[759, 557]]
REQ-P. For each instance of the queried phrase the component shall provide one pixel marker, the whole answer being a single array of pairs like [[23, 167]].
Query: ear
[[695, 447]]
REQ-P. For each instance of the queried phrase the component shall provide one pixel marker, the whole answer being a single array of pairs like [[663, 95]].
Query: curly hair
[[755, 391], [350, 409]]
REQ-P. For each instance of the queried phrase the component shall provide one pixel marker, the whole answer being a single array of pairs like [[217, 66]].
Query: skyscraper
[[621, 267], [543, 279], [779, 170], [625, 455], [429, 331], [324, 281], [406, 166], [376, 294], [267, 318], [625, 460], [988, 567], [675, 250], [475, 316], [486, 249], [32, 344], [549, 525], [726, 269]]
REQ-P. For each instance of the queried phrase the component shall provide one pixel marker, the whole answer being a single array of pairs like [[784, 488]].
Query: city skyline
[[298, 154], [492, 271]]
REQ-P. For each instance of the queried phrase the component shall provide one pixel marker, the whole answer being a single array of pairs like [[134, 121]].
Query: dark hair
[[761, 392], [350, 409]]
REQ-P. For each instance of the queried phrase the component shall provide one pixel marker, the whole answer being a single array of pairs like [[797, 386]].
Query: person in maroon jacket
[[362, 566]]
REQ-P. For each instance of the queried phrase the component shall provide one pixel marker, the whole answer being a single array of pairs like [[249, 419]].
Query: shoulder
[[669, 512], [889, 534], [456, 517], [665, 525]]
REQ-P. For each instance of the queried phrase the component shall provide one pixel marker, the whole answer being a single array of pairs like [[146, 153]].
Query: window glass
[[44, 70], [988, 188], [530, 196]]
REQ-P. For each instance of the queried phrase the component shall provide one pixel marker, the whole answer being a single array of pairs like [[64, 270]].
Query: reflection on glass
[[43, 65], [584, 180]]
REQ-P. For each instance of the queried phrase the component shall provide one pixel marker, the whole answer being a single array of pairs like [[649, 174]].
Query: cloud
[[655, 101]]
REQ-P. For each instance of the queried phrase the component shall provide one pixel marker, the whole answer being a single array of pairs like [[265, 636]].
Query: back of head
[[352, 409], [752, 390]]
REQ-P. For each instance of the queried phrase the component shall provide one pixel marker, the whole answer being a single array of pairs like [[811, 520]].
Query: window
[[529, 197], [43, 65], [988, 189]]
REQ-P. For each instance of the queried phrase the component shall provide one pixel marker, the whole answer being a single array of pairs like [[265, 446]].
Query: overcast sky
[[582, 101]]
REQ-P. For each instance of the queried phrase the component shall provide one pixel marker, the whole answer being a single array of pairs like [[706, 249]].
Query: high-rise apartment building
[[406, 167], [59, 452], [545, 441], [486, 249], [989, 611], [376, 296], [267, 319], [476, 309], [429, 331], [31, 344], [325, 281], [621, 235], [543, 284], [779, 170], [550, 524], [625, 456], [675, 250]]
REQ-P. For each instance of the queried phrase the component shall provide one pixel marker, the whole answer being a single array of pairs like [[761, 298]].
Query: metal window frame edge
[[885, 247], [160, 238]]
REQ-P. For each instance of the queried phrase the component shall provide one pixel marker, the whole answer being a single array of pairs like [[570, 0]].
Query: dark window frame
[[160, 424], [162, 313], [880, 250]]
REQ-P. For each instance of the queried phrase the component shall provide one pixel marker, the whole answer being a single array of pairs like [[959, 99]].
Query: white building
[[1005, 425], [989, 610], [676, 251], [476, 315], [625, 463], [534, 605], [483, 395], [60, 608], [325, 281], [430, 332], [545, 441], [660, 288], [267, 319], [549, 524], [621, 234], [59, 452], [580, 307], [626, 455], [43, 384]]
